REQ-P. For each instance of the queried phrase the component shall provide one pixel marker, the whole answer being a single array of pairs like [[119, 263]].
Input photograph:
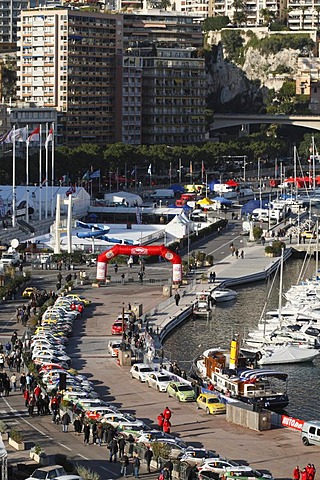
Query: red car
[[116, 328]]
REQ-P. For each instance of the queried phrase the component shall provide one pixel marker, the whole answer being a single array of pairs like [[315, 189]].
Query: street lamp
[[244, 167]]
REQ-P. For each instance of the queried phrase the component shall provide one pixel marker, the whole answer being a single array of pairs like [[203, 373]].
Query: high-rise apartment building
[[67, 61], [253, 9], [134, 78], [163, 79], [303, 14], [10, 11]]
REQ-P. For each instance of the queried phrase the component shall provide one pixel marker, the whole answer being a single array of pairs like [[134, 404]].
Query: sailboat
[[283, 344]]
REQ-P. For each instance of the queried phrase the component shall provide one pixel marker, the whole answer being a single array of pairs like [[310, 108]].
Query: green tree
[[267, 15], [240, 12], [215, 23], [287, 92], [233, 43]]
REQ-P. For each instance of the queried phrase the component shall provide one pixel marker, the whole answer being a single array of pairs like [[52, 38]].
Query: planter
[[38, 458], [17, 445], [271, 255]]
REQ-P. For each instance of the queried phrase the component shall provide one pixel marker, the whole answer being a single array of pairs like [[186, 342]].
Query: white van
[[310, 433], [162, 193]]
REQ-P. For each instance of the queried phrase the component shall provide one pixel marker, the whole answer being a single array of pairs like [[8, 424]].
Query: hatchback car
[[158, 380], [217, 465], [196, 456], [182, 391], [140, 371], [118, 327], [54, 472], [210, 403], [244, 473], [29, 291], [114, 347]]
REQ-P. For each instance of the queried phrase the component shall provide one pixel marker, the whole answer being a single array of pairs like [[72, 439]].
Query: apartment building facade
[[10, 11], [303, 14], [101, 71], [253, 9], [66, 61]]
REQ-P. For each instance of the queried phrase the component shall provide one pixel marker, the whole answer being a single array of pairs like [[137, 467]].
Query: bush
[[86, 473], [257, 232], [16, 435], [275, 248], [215, 23]]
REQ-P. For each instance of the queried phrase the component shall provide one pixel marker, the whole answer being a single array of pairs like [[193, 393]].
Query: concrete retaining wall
[[244, 416]]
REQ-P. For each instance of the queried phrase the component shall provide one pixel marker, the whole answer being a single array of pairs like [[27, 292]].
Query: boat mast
[[317, 248], [295, 171], [281, 284], [313, 165]]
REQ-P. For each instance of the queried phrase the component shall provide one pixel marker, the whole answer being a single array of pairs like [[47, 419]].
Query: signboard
[[291, 422]]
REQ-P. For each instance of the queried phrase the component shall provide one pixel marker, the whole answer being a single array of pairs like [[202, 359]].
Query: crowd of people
[[307, 473]]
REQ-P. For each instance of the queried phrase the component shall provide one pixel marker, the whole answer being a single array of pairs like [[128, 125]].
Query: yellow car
[[210, 403], [79, 298], [308, 234], [27, 292]]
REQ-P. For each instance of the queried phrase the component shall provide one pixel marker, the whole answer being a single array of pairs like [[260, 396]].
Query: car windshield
[[39, 474], [185, 388], [146, 369], [257, 474], [164, 378], [213, 400]]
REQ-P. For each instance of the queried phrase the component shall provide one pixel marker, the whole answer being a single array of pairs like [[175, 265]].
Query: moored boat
[[223, 294], [283, 354], [253, 386], [202, 305]]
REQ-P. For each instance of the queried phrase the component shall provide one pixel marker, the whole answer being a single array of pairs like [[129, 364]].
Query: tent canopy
[[223, 201], [248, 207], [205, 201], [232, 183]]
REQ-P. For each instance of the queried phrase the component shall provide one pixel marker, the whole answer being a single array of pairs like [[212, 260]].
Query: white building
[[10, 11]]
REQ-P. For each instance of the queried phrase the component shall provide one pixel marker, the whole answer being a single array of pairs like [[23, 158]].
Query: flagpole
[[125, 175], [52, 170], [47, 169], [202, 165], [99, 180], [40, 174], [14, 177], [27, 177]]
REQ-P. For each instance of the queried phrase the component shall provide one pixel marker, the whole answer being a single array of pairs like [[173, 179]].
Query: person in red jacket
[[304, 474], [166, 426], [160, 421], [26, 396], [167, 413], [296, 473], [312, 471]]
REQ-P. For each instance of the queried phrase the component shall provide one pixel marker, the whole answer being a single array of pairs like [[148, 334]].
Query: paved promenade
[[277, 450]]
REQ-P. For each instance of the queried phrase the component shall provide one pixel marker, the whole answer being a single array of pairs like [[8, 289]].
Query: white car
[[140, 371], [121, 418], [54, 472], [196, 456], [158, 380], [216, 465], [114, 347]]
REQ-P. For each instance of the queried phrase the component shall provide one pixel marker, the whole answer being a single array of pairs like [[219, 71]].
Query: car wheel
[[207, 411], [305, 441], [140, 379], [158, 388]]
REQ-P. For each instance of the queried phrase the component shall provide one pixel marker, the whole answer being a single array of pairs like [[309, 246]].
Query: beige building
[[303, 14], [253, 9]]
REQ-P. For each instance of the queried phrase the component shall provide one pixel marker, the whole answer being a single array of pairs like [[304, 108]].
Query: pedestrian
[[22, 382], [122, 278], [115, 268], [290, 237], [54, 408], [169, 467], [167, 413], [304, 474], [177, 298], [296, 473], [121, 445], [31, 405], [124, 465], [86, 431], [242, 254], [130, 441], [99, 432], [166, 426], [140, 275], [148, 457], [113, 447], [212, 277], [312, 472], [26, 396], [65, 420], [160, 421], [136, 466], [237, 253], [13, 380]]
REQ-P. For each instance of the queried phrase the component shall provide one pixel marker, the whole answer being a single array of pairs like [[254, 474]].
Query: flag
[[86, 177], [149, 170], [95, 174], [71, 190], [49, 137], [35, 135], [203, 168], [3, 138], [17, 135], [44, 182], [64, 179]]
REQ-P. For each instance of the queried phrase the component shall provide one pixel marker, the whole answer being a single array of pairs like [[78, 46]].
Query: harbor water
[[194, 336]]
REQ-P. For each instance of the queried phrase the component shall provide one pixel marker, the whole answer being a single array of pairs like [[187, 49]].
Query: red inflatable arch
[[167, 254]]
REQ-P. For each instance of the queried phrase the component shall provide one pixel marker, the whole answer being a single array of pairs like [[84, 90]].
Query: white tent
[[43, 197], [180, 226], [124, 198]]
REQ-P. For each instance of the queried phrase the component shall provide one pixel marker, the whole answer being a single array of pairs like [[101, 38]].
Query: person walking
[[124, 465], [65, 420], [136, 466], [148, 457], [166, 426], [160, 421], [121, 445], [296, 473], [167, 413], [169, 466], [86, 431], [130, 441], [177, 298], [99, 433], [13, 380], [113, 447]]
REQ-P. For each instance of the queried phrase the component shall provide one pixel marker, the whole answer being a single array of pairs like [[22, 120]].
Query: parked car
[[118, 327], [54, 472], [243, 472], [27, 292], [182, 391], [217, 465], [210, 403], [158, 380], [196, 456], [140, 371], [113, 347]]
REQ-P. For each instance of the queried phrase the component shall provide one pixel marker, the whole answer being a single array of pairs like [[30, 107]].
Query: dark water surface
[[193, 337]]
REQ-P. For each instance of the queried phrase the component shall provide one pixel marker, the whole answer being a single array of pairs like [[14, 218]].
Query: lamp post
[[244, 167], [180, 170]]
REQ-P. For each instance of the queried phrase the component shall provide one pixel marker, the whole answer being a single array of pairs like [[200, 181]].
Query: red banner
[[291, 422]]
